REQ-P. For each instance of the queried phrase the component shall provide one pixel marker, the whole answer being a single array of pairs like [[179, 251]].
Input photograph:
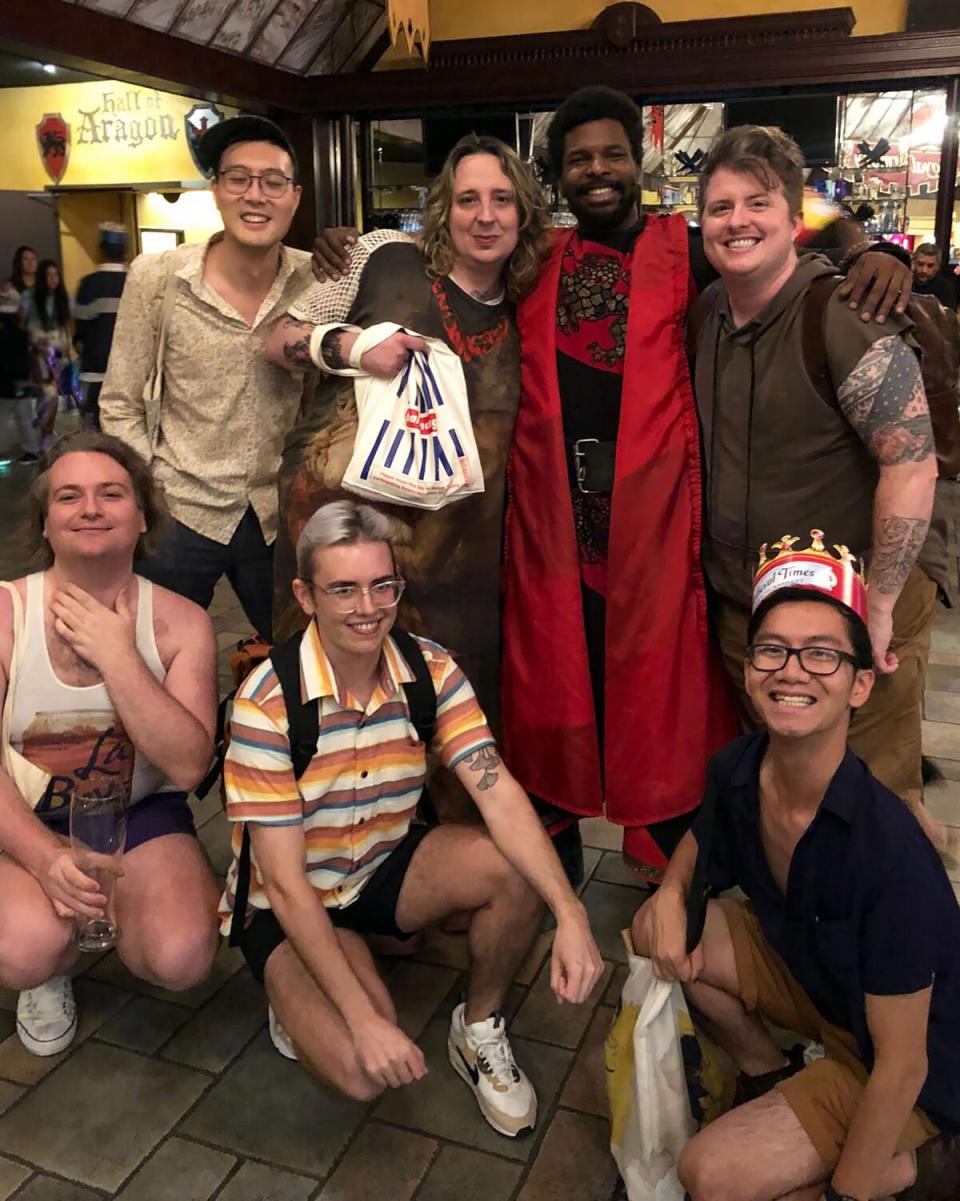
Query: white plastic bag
[[415, 442], [650, 1112]]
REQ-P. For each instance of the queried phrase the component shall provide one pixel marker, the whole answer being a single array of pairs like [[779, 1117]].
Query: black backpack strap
[[813, 339], [304, 730], [303, 718], [421, 694], [422, 702]]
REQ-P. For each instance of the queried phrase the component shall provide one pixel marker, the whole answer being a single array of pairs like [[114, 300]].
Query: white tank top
[[74, 733]]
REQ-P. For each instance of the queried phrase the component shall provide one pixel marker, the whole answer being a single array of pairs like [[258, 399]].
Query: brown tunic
[[450, 558], [779, 459]]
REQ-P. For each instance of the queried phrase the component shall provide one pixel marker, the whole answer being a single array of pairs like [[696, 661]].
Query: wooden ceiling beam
[[709, 58], [87, 40]]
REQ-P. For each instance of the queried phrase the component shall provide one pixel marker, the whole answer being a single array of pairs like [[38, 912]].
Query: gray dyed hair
[[340, 523]]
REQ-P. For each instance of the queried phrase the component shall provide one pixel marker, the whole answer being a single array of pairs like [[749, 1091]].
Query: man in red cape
[[611, 698]]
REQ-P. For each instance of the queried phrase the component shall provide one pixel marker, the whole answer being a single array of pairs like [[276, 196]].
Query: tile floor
[[181, 1097]]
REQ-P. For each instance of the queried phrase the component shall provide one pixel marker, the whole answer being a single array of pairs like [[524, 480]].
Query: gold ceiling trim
[[409, 22]]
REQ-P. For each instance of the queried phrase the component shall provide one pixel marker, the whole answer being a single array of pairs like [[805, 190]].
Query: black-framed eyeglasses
[[237, 181], [345, 598], [815, 660]]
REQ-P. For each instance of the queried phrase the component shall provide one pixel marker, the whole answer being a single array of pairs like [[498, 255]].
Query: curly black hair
[[594, 103]]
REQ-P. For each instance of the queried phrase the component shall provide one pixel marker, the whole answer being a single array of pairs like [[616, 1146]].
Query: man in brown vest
[[780, 456]]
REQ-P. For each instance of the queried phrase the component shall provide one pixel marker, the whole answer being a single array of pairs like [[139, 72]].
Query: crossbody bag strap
[[153, 392], [303, 731]]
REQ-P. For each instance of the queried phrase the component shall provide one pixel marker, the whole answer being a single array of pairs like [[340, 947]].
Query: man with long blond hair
[[484, 236]]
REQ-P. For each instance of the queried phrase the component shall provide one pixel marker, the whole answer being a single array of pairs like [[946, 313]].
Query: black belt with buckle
[[593, 463]]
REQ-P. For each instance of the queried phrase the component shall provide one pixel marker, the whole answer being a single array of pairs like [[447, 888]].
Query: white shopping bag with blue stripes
[[415, 443]]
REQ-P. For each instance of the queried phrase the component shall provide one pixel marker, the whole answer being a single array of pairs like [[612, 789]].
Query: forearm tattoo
[[331, 350], [485, 761], [884, 401], [297, 353], [898, 543]]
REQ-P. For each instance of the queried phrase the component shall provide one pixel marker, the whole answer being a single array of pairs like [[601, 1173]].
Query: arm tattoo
[[884, 401], [331, 349], [297, 353], [486, 761], [898, 544]]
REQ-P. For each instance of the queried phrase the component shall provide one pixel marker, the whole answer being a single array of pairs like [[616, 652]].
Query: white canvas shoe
[[481, 1055], [279, 1036], [47, 1016]]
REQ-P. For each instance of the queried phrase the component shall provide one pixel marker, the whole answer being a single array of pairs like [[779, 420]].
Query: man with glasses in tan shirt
[[214, 438]]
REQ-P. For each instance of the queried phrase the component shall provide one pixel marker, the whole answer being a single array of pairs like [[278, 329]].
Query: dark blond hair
[[147, 493], [533, 242], [765, 152]]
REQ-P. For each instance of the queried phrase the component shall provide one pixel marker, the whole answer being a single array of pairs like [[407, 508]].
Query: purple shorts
[[152, 817]]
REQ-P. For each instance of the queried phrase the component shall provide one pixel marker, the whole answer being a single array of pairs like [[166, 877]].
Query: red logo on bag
[[424, 424]]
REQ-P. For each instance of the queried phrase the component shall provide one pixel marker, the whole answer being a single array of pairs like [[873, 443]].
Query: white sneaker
[[279, 1037], [480, 1053], [47, 1016]]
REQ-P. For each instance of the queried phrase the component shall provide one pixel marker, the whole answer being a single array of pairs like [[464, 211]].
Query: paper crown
[[839, 576]]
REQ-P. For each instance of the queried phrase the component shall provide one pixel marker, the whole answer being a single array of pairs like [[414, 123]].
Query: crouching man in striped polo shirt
[[324, 786]]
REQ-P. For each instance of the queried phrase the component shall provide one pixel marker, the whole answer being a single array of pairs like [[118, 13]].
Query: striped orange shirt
[[359, 794]]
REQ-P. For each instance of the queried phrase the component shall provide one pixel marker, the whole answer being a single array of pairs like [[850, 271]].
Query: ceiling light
[[50, 68]]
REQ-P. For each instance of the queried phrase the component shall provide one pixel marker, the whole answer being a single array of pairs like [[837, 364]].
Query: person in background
[[18, 291], [928, 279], [215, 437], [95, 315], [50, 326]]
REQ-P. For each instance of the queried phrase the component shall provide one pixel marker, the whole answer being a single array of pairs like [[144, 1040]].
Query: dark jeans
[[192, 564]]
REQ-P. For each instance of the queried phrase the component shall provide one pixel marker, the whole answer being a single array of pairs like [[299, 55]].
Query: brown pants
[[824, 1095], [886, 732]]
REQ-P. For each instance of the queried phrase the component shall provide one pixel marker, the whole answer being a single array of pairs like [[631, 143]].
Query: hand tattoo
[[884, 401], [895, 554], [486, 760]]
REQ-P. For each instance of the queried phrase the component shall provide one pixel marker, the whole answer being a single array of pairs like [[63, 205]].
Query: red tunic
[[666, 702]]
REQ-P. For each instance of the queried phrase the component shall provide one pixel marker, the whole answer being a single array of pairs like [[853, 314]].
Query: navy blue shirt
[[868, 907]]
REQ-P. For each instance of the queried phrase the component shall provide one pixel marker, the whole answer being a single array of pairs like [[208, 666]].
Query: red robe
[[666, 704]]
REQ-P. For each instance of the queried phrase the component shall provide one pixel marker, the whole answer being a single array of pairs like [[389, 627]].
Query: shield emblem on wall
[[53, 142], [196, 123]]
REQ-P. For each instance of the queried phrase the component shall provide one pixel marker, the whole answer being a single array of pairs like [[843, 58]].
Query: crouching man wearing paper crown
[[823, 946]]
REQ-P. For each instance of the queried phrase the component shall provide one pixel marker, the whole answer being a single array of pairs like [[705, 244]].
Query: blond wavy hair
[[533, 243]]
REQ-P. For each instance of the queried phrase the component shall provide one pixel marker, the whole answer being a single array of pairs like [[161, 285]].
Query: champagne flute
[[98, 831]]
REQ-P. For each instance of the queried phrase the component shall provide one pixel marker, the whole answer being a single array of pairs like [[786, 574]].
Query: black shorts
[[373, 912]]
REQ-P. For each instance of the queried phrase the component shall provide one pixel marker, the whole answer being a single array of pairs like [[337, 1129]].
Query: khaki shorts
[[825, 1095], [886, 730]]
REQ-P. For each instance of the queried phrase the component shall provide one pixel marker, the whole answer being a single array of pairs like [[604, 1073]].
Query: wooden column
[[947, 187], [336, 171]]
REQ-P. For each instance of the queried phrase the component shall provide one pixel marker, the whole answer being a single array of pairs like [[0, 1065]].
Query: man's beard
[[612, 218]]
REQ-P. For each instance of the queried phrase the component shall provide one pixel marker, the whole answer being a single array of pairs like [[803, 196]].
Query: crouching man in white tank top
[[107, 683]]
